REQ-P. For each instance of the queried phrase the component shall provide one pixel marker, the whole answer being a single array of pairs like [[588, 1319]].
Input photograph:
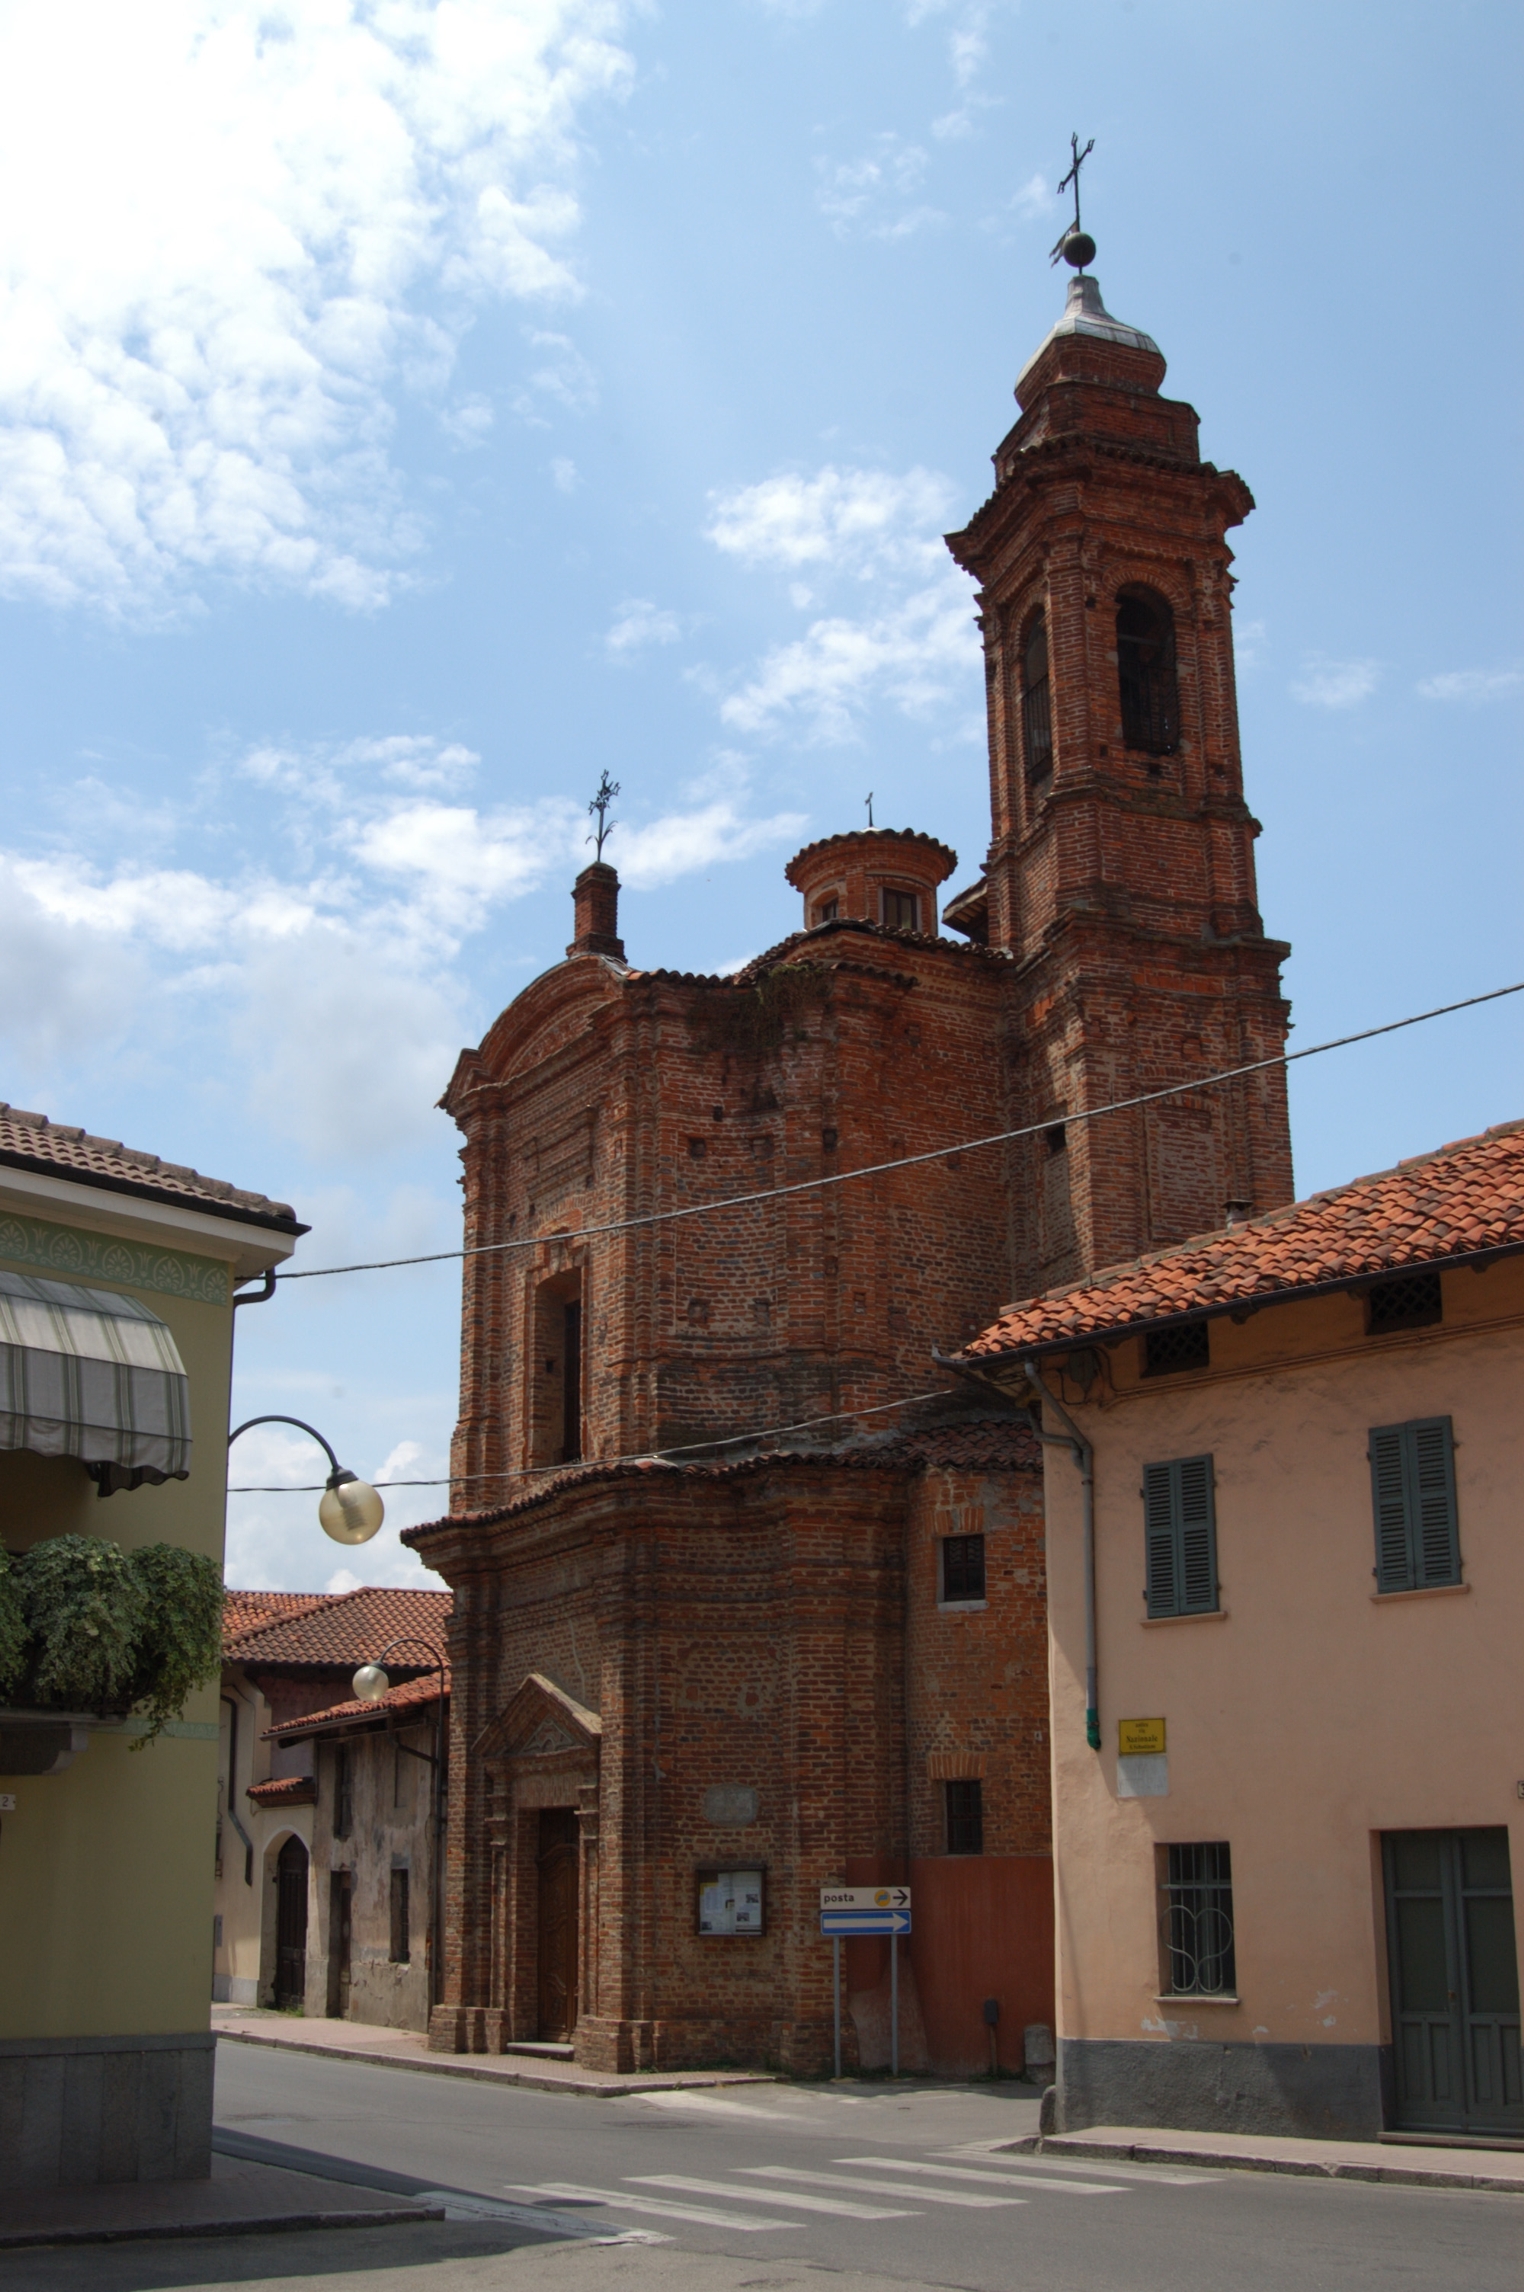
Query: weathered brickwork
[[745, 1658]]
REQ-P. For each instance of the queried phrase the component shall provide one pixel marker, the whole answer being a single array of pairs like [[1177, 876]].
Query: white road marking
[[890, 2188], [838, 2205], [989, 2180], [709, 2106], [991, 2152], [460, 2206], [699, 2214]]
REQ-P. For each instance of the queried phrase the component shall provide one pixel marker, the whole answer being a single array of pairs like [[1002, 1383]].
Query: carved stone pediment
[[541, 1721]]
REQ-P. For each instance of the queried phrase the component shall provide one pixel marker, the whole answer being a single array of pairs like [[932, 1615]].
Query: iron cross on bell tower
[[1076, 245]]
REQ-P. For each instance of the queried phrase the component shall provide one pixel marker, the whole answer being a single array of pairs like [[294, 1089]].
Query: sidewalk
[[1410, 2164], [408, 2049], [240, 2199]]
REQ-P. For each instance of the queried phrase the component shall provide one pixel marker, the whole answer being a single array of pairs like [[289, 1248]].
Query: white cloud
[[1336, 684], [225, 226], [564, 473], [857, 195], [470, 422], [1250, 639], [562, 376], [684, 842], [914, 655], [865, 521], [638, 623], [1473, 685]]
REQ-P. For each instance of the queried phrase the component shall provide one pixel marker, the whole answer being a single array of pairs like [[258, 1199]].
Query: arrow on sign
[[865, 1921]]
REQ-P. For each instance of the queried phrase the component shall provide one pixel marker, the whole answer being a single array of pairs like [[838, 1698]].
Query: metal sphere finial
[[1078, 248]]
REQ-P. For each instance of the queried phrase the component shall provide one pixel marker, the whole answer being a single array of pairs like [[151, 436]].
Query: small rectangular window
[[827, 911], [962, 1567], [965, 1818], [1185, 1346], [902, 911], [343, 1792], [1180, 1537], [402, 1945], [1197, 1954], [1411, 1301], [1413, 1498]]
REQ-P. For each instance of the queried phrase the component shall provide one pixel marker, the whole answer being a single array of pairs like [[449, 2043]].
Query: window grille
[[1146, 673], [571, 1382], [1180, 1537], [1413, 1496], [1036, 703], [1198, 1922], [902, 911], [962, 1567], [402, 1946], [1408, 1302], [343, 1792], [965, 1818], [1186, 1346]]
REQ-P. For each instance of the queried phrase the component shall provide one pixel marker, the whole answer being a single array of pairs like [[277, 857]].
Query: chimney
[[595, 898]]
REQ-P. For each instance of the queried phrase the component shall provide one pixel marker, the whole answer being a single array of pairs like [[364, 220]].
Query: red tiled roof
[[284, 1791], [1462, 1201], [338, 1630], [412, 1694], [32, 1142], [247, 1611]]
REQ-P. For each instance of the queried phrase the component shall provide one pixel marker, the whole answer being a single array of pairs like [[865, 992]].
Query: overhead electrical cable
[[903, 1161]]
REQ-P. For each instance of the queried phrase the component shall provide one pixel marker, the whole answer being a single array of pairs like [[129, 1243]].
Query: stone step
[[543, 2052]]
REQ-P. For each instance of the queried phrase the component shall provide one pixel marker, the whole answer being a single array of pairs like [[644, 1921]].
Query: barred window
[[1146, 672], [1197, 1924], [1186, 1346], [965, 1818], [963, 1567], [1408, 1302], [1036, 703]]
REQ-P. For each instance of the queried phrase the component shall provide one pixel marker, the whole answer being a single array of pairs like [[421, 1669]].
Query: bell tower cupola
[[1120, 876]]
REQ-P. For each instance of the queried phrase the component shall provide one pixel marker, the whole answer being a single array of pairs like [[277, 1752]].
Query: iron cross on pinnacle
[[1073, 230], [607, 790]]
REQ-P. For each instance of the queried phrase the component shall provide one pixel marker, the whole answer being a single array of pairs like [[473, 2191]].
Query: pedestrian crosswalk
[[911, 2185]]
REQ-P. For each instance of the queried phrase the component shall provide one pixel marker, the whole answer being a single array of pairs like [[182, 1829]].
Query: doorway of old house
[[340, 1928], [1455, 1981], [290, 1925], [557, 1861]]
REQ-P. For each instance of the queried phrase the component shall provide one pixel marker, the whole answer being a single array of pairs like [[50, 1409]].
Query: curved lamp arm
[[350, 1510]]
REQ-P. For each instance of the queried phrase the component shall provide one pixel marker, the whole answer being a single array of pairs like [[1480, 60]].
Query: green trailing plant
[[12, 1631], [179, 1646], [85, 1613], [86, 1626]]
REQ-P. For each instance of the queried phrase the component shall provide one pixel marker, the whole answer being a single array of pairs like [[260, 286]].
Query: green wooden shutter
[[1394, 1564], [1159, 1540], [1431, 1474], [1198, 1539], [1180, 1534], [1413, 1492]]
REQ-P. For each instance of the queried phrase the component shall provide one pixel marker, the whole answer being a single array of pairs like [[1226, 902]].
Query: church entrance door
[[290, 1925], [557, 1860]]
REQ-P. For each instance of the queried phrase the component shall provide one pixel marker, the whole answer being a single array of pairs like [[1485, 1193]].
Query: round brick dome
[[873, 875]]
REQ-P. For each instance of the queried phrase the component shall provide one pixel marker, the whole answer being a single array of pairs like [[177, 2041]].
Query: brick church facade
[[723, 1634]]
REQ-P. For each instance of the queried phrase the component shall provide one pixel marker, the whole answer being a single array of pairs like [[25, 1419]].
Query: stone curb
[[1312, 2168], [463, 2065], [272, 2224]]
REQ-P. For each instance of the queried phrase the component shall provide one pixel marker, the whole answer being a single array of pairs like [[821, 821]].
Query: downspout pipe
[[1084, 1457], [231, 1810]]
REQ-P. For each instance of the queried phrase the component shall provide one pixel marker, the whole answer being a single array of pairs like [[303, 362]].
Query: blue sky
[[408, 412]]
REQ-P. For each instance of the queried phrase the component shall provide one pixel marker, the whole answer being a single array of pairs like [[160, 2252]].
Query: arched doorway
[[290, 1924]]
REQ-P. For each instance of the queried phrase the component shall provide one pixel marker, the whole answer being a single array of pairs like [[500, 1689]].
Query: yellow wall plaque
[[1140, 1738]]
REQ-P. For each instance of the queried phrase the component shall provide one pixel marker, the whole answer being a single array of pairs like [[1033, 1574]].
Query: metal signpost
[[867, 1910]]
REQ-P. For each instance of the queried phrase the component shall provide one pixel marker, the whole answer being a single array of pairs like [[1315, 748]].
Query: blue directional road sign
[[865, 1910]]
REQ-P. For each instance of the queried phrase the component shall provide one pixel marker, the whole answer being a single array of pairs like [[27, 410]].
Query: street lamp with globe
[[349, 1509]]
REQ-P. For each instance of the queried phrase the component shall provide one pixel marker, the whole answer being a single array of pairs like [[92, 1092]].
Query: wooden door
[[558, 1921], [1455, 1981], [340, 1926], [291, 1924]]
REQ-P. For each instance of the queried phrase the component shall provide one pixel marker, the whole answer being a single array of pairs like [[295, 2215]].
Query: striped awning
[[92, 1374]]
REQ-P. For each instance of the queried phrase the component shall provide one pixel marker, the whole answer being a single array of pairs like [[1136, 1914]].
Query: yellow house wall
[[106, 1869], [1312, 1715]]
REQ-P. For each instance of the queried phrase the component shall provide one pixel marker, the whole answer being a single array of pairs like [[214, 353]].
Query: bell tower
[[1120, 876]]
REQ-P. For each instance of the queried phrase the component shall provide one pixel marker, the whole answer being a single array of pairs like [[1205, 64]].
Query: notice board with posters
[[731, 1901]]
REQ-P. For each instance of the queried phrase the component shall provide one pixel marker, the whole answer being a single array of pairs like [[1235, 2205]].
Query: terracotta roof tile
[[1461, 1201], [341, 1629], [284, 1791], [247, 1611], [411, 1695], [32, 1142]]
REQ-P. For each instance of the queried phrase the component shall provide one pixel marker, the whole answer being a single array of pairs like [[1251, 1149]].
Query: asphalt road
[[905, 2186]]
